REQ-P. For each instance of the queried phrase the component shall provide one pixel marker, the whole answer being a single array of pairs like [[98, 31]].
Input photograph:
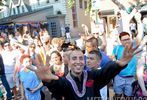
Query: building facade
[[53, 12]]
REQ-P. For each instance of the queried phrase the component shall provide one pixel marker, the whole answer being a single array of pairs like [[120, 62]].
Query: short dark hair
[[123, 34], [97, 53], [56, 52], [93, 40]]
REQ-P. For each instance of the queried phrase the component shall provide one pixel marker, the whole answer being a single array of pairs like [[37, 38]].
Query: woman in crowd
[[57, 67]]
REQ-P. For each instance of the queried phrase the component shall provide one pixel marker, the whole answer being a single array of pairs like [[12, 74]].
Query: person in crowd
[[33, 54], [133, 28], [80, 43], [144, 20], [46, 42], [85, 29], [67, 33], [92, 44], [1, 94], [56, 44], [26, 38], [80, 84], [123, 81], [4, 80], [31, 83], [93, 62], [101, 22], [40, 50], [58, 67], [140, 86], [102, 44], [18, 66], [9, 59], [123, 17]]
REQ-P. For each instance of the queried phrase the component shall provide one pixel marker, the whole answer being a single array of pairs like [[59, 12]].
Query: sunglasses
[[96, 33], [32, 46], [6, 45], [126, 39]]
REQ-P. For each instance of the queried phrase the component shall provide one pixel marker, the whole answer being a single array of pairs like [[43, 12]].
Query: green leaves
[[70, 3]]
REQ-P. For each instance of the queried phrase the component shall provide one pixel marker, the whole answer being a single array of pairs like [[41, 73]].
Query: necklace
[[74, 85]]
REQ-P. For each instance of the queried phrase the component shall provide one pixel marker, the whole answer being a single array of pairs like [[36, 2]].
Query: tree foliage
[[139, 4], [70, 3], [1, 3]]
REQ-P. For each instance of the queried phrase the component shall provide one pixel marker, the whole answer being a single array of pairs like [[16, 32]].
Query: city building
[[54, 14]]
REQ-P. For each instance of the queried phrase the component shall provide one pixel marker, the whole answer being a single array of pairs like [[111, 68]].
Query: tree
[[1, 3], [72, 2], [139, 4]]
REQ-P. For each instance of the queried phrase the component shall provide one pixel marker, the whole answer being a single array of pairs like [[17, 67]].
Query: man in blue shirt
[[123, 81]]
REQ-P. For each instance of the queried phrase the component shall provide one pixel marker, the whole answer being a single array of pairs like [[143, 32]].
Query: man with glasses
[[123, 81]]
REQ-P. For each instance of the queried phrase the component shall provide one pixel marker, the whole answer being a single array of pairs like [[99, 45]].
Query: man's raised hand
[[128, 54], [44, 73]]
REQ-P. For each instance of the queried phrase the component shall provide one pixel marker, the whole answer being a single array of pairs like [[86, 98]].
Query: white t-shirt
[[9, 60]]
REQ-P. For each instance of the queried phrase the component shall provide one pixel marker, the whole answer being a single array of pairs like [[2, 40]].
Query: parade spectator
[[102, 44], [33, 54], [123, 81], [101, 22], [133, 28], [58, 67], [9, 59], [40, 50], [79, 84], [93, 62], [4, 80], [81, 41], [31, 83], [67, 33], [92, 44], [1, 93], [140, 86]]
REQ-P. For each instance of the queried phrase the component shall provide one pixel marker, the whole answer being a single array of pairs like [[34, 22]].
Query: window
[[85, 4], [74, 17], [38, 2], [75, 24], [47, 1], [14, 12], [81, 3], [23, 9], [56, 0], [53, 28], [18, 10]]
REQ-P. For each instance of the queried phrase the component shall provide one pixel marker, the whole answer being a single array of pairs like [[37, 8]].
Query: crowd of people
[[75, 69]]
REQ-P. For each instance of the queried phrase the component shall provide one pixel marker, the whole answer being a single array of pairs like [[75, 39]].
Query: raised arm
[[44, 73], [140, 74], [139, 28], [128, 53], [120, 6]]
